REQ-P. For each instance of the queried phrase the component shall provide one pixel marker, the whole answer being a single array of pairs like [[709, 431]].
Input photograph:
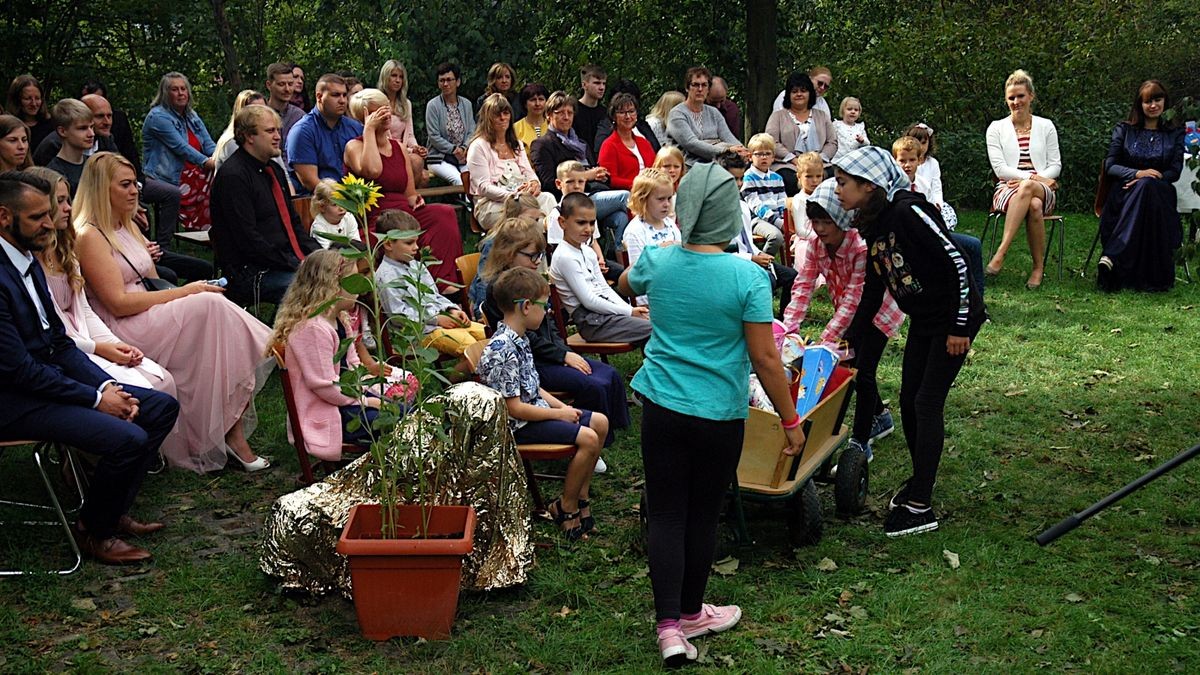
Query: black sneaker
[[905, 520], [900, 497]]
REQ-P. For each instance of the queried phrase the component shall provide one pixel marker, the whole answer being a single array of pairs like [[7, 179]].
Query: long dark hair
[[1149, 90], [865, 218]]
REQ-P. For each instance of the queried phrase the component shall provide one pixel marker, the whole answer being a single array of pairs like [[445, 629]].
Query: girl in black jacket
[[910, 254]]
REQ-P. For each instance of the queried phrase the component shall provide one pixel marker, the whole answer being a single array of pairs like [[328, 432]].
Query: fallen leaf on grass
[[84, 604], [562, 613], [771, 647], [1074, 597], [1015, 392], [727, 566], [857, 612], [959, 631], [827, 565], [1115, 331], [1143, 458], [1036, 633], [640, 574], [844, 598], [951, 558]]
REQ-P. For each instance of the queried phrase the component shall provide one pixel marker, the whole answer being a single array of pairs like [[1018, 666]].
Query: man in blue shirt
[[316, 143]]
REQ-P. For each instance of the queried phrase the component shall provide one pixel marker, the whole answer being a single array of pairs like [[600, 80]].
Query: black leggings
[[928, 373], [868, 349], [689, 463]]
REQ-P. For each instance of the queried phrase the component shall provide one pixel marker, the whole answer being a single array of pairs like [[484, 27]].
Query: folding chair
[[307, 464], [994, 224], [529, 452], [40, 447], [576, 341]]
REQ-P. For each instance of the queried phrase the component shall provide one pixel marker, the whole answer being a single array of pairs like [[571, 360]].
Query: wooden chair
[[529, 452], [303, 206], [55, 507], [468, 268], [994, 224], [576, 342], [463, 191], [307, 464]]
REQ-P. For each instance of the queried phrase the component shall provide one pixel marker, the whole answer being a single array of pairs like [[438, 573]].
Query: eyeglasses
[[544, 304], [821, 85], [626, 112], [446, 80], [698, 85], [535, 257], [764, 153]]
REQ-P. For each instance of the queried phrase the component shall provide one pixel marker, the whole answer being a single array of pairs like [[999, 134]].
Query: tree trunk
[[762, 63], [225, 35]]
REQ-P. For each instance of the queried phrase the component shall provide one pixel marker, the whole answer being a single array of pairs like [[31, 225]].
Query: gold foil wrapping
[[476, 464]]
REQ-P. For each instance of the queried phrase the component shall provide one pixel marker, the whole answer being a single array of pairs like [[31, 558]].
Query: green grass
[[1068, 394]]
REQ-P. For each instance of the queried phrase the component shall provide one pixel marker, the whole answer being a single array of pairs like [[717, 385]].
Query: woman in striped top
[[1023, 152]]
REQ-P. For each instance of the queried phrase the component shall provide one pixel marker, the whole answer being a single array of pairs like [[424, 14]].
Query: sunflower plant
[[398, 453]]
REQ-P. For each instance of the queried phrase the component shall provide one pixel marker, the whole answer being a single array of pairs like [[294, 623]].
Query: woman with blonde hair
[[502, 79], [123, 362], [393, 82], [226, 145], [378, 157], [499, 165], [1023, 151], [657, 119], [212, 346]]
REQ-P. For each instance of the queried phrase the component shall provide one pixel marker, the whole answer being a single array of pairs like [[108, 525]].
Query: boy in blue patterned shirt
[[534, 415], [763, 191]]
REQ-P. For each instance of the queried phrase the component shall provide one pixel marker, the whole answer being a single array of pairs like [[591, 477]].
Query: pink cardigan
[[484, 165], [622, 165], [313, 373]]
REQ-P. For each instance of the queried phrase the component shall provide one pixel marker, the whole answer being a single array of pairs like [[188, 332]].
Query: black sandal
[[561, 518], [588, 523]]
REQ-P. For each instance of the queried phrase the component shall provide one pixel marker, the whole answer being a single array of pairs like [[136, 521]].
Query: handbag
[[149, 283]]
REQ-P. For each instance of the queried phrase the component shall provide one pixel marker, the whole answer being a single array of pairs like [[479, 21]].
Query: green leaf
[[356, 284]]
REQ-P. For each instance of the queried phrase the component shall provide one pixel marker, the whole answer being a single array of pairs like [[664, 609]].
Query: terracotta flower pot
[[407, 586]]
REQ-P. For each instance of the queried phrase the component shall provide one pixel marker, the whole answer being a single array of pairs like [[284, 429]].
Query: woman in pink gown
[[377, 156], [212, 347]]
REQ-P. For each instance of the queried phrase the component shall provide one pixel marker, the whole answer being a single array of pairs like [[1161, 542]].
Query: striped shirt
[[765, 195]]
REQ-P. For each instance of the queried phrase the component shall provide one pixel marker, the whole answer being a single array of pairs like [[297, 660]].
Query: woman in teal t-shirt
[[711, 321]]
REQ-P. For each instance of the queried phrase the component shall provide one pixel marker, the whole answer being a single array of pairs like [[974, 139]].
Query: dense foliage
[[944, 63]]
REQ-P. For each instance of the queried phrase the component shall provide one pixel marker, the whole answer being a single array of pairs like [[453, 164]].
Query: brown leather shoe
[[127, 525], [111, 551]]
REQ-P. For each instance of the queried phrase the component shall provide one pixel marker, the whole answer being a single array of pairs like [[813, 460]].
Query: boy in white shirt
[[595, 308]]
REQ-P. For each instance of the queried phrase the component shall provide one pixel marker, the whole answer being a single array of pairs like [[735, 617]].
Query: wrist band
[[793, 424]]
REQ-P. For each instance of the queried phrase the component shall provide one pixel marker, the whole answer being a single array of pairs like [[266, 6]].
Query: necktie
[[281, 206]]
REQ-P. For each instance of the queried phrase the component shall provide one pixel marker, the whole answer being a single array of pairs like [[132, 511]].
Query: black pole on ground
[[1071, 522]]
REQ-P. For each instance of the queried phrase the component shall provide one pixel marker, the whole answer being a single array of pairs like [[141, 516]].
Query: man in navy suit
[[50, 390]]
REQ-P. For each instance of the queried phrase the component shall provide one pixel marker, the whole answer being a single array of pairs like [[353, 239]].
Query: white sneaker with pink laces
[[712, 619], [675, 649]]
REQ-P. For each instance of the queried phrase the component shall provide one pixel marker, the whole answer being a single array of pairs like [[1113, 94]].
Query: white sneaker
[[601, 467]]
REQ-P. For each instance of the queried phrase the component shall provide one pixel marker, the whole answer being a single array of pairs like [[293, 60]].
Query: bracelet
[[793, 424]]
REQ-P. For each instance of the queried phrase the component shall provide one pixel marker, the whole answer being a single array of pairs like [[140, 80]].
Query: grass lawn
[[1068, 394]]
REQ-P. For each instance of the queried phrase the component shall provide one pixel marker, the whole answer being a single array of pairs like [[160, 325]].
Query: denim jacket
[[165, 143]]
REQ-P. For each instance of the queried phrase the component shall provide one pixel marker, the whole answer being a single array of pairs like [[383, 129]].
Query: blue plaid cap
[[875, 164], [826, 197]]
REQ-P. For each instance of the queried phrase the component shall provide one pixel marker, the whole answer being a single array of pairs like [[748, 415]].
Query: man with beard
[[51, 391]]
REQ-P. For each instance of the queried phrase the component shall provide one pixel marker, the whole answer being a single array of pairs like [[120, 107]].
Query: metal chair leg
[[61, 521]]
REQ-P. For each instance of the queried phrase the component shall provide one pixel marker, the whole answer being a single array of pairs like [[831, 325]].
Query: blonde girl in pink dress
[[212, 347]]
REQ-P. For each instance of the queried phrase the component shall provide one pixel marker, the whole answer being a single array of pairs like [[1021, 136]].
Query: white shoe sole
[[927, 527], [883, 434]]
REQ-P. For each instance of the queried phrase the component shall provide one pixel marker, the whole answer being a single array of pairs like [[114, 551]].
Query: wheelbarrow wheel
[[805, 524], [851, 483]]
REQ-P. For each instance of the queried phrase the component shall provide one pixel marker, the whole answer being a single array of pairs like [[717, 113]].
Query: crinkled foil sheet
[[479, 465]]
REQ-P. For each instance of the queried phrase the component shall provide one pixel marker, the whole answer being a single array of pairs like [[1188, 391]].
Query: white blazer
[[1004, 153]]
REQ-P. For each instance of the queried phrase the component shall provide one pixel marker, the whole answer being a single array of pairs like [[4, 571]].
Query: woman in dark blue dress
[[1139, 226]]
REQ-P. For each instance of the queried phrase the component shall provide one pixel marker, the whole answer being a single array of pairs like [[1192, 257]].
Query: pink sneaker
[[675, 649], [712, 619]]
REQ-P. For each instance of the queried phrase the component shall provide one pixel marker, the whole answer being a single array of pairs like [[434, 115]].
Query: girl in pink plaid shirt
[[840, 255]]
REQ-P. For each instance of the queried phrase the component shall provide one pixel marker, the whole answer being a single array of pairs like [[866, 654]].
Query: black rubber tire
[[851, 483], [805, 524]]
